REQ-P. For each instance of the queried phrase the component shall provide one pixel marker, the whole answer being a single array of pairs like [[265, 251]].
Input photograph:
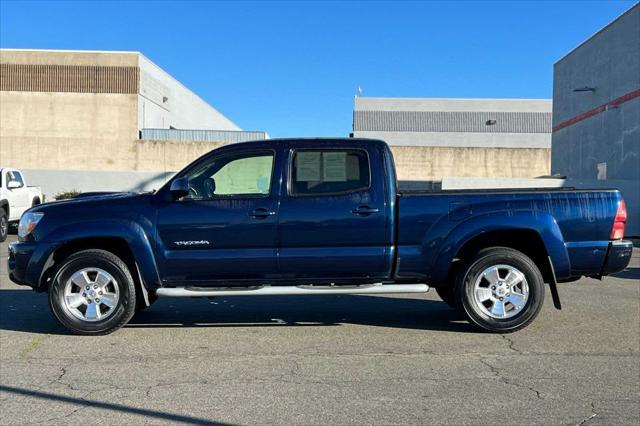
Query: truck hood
[[89, 200], [99, 194]]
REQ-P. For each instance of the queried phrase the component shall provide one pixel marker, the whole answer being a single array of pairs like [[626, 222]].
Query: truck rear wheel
[[501, 290], [93, 293]]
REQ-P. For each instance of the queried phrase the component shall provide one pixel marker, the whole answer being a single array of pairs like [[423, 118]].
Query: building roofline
[[11, 49], [141, 55], [451, 99], [598, 32], [453, 104], [139, 58]]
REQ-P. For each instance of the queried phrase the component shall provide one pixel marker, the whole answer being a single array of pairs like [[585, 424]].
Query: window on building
[[335, 171]]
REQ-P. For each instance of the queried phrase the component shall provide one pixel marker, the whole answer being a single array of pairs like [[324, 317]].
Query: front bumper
[[618, 256], [28, 261]]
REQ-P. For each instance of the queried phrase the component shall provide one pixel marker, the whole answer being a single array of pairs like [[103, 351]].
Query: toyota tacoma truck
[[314, 217], [15, 198]]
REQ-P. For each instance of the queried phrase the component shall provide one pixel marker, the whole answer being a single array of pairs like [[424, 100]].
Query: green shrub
[[66, 194]]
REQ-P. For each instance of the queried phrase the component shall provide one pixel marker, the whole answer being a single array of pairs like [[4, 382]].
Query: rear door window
[[331, 171]]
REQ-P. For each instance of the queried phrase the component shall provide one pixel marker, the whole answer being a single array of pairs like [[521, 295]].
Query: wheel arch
[[126, 240], [536, 234], [526, 241], [115, 245]]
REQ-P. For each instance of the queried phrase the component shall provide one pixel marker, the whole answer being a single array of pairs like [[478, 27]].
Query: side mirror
[[14, 184], [179, 187]]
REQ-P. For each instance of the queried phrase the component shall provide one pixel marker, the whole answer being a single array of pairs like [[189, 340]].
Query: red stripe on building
[[597, 110]]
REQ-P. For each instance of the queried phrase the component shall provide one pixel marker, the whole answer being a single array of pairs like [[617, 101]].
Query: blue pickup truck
[[309, 217]]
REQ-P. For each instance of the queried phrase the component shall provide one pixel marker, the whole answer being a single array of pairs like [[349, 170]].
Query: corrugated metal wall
[[228, 136], [69, 78], [452, 121]]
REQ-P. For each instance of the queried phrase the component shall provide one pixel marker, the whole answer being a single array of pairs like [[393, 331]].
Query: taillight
[[617, 232]]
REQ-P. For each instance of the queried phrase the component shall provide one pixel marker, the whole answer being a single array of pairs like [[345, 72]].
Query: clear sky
[[292, 68]]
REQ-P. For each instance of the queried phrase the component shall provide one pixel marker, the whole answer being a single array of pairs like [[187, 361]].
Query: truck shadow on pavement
[[629, 273], [23, 310]]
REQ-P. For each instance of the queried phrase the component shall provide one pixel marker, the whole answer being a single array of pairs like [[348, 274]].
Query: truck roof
[[273, 143]]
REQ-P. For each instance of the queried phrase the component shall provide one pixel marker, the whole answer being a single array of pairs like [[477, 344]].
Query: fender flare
[[539, 222], [131, 232]]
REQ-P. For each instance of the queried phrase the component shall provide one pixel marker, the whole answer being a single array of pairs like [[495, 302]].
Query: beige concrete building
[[75, 119], [436, 138]]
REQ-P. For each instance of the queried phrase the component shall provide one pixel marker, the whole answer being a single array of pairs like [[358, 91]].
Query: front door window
[[224, 177]]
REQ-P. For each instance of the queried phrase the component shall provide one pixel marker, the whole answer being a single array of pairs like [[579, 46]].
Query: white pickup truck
[[15, 198]]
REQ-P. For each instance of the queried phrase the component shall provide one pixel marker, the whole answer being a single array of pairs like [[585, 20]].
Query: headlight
[[28, 223]]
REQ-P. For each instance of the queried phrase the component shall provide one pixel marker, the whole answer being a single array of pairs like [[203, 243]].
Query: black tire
[[446, 293], [471, 271], [4, 225], [124, 308]]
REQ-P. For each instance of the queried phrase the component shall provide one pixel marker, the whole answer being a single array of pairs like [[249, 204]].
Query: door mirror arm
[[179, 187]]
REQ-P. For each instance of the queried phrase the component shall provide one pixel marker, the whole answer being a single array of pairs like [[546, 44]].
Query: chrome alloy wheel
[[501, 291], [91, 294]]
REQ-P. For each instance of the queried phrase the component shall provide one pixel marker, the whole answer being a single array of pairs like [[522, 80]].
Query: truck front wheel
[[93, 293], [501, 290]]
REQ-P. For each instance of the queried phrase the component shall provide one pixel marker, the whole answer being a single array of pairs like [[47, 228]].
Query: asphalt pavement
[[326, 360]]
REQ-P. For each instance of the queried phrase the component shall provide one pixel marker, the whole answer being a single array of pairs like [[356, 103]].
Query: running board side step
[[292, 290]]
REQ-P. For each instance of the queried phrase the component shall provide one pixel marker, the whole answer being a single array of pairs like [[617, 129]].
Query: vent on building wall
[[585, 89], [69, 78]]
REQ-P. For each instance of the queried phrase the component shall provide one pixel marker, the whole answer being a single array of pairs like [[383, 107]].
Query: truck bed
[[584, 219], [406, 188]]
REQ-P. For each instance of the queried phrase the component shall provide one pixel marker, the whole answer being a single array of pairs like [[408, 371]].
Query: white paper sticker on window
[[335, 166], [308, 166]]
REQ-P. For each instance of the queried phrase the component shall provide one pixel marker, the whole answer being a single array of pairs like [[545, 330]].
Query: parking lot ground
[[326, 360]]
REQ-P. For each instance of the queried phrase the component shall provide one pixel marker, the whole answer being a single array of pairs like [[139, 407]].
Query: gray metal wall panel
[[201, 135], [609, 63], [452, 121]]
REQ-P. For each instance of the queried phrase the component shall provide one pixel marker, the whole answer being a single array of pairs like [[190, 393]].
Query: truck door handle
[[364, 211], [261, 213]]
